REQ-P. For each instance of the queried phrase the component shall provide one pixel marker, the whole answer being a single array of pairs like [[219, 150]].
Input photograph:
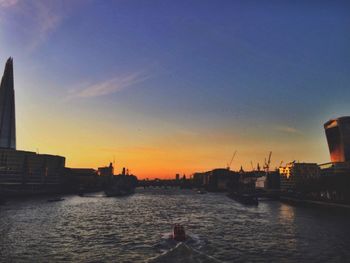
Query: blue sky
[[247, 75]]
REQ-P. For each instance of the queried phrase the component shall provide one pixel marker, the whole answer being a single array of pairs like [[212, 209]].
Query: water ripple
[[136, 228]]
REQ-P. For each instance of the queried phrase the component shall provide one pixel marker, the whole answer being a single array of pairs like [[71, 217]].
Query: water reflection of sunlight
[[286, 219], [286, 213]]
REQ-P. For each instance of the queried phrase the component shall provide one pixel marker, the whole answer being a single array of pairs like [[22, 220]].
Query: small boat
[[116, 191], [245, 198], [201, 192], [121, 185], [55, 200], [179, 233]]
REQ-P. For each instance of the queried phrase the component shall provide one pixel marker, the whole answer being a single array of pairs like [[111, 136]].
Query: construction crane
[[267, 163], [229, 164]]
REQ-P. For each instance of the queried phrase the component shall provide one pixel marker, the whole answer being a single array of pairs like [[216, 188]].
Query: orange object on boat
[[179, 233]]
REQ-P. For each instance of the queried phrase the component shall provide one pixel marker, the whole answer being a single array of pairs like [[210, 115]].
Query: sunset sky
[[166, 87]]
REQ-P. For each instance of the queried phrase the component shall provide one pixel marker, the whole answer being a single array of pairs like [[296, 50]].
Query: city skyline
[[178, 87]]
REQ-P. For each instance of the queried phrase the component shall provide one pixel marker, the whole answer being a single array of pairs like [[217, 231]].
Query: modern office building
[[22, 172], [338, 137], [7, 108]]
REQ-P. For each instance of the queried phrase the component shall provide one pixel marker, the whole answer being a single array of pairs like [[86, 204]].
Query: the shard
[[7, 108]]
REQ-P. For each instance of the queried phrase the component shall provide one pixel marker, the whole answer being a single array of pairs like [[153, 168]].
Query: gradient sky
[[169, 87]]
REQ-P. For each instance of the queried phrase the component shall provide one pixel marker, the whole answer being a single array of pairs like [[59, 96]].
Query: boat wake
[[186, 251], [183, 253], [167, 242]]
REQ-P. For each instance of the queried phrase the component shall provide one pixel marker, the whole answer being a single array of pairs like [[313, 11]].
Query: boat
[[118, 191], [201, 192], [179, 233], [121, 185], [244, 198], [244, 191]]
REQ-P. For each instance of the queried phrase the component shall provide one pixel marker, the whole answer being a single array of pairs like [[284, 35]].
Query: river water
[[136, 228]]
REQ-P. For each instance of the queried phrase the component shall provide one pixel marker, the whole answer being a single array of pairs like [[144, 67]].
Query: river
[[136, 228]]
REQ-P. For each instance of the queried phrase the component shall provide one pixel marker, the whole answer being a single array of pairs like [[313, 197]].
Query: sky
[[165, 87]]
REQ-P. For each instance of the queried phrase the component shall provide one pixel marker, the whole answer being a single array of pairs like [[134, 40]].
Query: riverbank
[[305, 202]]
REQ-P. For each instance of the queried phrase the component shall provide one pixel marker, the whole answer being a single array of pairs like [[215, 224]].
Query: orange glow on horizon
[[155, 151]]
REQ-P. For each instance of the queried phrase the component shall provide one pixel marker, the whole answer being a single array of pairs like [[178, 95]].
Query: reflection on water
[[286, 213], [286, 218], [135, 228]]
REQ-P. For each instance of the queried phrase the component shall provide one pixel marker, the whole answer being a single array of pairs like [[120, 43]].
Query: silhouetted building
[[106, 171], [219, 179], [177, 177], [293, 175], [261, 182], [334, 183], [199, 179], [23, 172], [267, 181], [83, 180], [338, 137], [7, 108]]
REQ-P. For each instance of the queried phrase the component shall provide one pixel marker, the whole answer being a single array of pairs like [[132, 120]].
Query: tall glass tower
[[338, 137], [7, 108]]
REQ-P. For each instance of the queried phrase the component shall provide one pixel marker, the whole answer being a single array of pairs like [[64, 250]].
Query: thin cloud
[[8, 3], [109, 86], [47, 21], [36, 20], [288, 129]]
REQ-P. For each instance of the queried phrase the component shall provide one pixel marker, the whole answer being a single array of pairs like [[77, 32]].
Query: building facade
[[294, 174], [23, 172], [106, 170], [338, 138]]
